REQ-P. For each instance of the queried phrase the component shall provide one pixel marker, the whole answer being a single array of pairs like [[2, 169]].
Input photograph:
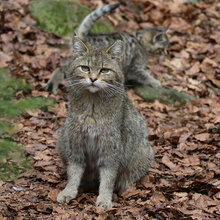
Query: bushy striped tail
[[86, 25]]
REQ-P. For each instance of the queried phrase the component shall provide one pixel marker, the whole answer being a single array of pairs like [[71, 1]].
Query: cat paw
[[105, 204], [155, 83], [51, 88], [65, 196]]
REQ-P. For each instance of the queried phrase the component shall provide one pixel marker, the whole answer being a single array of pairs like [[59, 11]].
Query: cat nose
[[93, 79]]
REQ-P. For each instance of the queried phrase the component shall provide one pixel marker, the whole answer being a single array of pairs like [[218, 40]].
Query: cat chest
[[91, 144], [92, 150], [94, 135]]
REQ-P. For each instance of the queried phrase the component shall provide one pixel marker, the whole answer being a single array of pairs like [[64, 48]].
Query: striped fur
[[87, 23], [139, 46]]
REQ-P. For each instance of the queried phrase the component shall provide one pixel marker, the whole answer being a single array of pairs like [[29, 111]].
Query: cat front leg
[[54, 81], [75, 172], [106, 187], [142, 76], [57, 77]]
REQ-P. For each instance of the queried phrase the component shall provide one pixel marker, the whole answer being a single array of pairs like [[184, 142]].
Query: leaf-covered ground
[[183, 182]]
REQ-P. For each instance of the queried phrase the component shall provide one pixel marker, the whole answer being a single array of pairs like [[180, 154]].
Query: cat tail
[[86, 25]]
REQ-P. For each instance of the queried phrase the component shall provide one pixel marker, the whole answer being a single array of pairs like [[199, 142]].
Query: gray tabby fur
[[87, 23], [98, 143], [139, 45]]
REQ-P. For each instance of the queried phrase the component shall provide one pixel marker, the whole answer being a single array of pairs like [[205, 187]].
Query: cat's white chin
[[93, 89]]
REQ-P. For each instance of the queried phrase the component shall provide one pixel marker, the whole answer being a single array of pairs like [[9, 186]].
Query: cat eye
[[85, 68], [105, 70]]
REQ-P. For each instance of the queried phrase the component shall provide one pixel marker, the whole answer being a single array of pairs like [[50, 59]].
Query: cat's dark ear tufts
[[116, 50], [159, 38], [78, 47]]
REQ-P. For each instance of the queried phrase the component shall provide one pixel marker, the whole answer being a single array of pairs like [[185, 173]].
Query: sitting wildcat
[[138, 47], [98, 142]]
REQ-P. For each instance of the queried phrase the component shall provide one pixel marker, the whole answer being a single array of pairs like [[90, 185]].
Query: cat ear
[[159, 37], [116, 50], [78, 47]]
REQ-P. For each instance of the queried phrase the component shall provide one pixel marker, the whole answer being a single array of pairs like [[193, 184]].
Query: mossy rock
[[164, 95], [63, 16]]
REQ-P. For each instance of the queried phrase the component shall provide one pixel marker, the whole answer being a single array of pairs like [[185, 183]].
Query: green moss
[[192, 1], [12, 109], [63, 16], [12, 160], [7, 129], [10, 85], [164, 95]]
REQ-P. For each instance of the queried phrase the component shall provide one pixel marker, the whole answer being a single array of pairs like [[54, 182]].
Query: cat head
[[96, 70], [155, 41]]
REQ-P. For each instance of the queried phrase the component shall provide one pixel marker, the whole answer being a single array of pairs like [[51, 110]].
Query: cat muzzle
[[92, 79]]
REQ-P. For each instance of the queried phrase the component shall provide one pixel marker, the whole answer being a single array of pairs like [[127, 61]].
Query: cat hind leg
[[136, 169], [143, 77]]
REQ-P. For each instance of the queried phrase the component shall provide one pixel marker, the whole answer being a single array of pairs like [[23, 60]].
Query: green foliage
[[63, 16], [164, 95], [12, 160], [192, 1], [13, 108], [6, 129], [10, 85]]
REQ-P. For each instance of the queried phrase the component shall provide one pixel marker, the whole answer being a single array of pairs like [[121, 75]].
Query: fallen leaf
[[4, 59], [202, 137], [130, 191], [194, 69], [166, 160], [52, 195], [183, 137]]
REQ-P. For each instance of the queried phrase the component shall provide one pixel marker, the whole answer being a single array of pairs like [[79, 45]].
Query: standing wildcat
[[138, 47], [98, 142]]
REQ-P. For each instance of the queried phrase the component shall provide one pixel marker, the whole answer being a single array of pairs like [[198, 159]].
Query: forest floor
[[183, 182]]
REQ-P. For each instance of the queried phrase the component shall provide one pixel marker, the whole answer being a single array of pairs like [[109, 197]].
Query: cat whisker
[[106, 88], [118, 83], [116, 90], [77, 88], [75, 84], [73, 80], [125, 85], [73, 77], [121, 89], [108, 93]]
